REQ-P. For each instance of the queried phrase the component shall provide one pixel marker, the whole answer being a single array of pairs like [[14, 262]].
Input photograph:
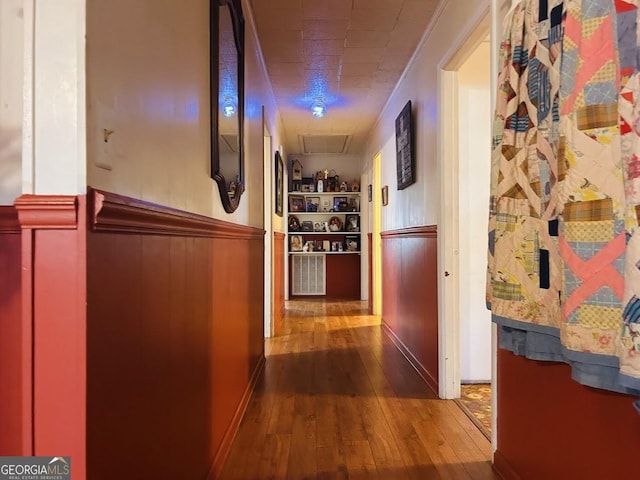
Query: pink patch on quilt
[[595, 273]]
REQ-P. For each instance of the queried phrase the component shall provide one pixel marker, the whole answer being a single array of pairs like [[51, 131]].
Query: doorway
[[467, 338], [474, 170]]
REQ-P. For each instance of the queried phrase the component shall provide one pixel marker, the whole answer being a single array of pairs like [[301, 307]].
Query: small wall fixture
[[318, 108]]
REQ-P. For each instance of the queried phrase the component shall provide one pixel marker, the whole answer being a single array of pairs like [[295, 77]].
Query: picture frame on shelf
[[335, 224], [318, 227], [325, 227], [313, 204], [340, 204], [326, 205], [307, 226], [352, 243], [352, 223], [294, 223], [296, 203], [295, 243]]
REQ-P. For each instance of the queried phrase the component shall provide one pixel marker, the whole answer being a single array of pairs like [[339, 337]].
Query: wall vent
[[315, 144], [308, 275]]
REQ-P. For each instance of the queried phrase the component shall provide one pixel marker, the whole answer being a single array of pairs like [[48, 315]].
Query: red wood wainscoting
[[15, 416], [175, 337], [279, 251], [410, 296], [53, 324], [551, 427]]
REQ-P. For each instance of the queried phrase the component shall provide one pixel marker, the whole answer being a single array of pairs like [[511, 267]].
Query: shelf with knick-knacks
[[322, 181], [324, 223]]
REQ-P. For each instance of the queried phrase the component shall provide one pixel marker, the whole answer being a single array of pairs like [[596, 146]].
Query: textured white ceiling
[[350, 53]]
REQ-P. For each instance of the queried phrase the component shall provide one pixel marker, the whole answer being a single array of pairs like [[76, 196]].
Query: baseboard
[[431, 382], [503, 468], [225, 446]]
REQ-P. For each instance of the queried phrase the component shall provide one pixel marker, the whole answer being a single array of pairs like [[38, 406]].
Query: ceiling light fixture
[[318, 108], [228, 107]]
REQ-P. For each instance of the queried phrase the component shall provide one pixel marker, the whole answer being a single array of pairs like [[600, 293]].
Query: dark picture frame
[[405, 151], [296, 203], [352, 223], [279, 184], [340, 204]]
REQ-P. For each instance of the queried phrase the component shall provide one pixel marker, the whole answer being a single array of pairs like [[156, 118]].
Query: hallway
[[338, 400]]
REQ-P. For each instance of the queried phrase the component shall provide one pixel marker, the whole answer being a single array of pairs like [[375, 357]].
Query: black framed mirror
[[226, 42]]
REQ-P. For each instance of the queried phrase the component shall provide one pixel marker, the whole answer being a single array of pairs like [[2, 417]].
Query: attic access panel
[[316, 144]]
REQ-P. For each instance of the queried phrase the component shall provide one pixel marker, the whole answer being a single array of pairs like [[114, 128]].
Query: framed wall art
[[405, 152], [279, 187]]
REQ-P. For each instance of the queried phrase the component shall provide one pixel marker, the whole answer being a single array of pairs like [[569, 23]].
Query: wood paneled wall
[[175, 337], [410, 296], [550, 426], [279, 251], [49, 355], [12, 409]]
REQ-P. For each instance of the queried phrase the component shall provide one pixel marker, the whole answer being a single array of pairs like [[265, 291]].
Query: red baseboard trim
[[503, 468], [429, 231], [45, 212], [110, 212], [9, 223], [431, 382], [225, 446]]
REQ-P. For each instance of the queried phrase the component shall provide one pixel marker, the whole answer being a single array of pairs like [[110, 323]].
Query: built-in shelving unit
[[323, 225]]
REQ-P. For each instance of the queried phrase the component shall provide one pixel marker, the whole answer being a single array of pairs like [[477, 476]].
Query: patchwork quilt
[[564, 247]]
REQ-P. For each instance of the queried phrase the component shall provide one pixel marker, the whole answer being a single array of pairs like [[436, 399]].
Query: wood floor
[[338, 401]]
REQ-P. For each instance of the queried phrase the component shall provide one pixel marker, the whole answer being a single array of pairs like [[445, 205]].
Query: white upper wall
[[148, 81], [419, 204], [11, 74]]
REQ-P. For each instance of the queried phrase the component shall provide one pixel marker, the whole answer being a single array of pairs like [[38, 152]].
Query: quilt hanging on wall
[[564, 244]]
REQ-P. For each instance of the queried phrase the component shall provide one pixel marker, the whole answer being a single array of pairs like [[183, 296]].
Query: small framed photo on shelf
[[318, 227], [296, 203], [352, 223], [294, 223], [335, 224], [295, 243], [326, 205], [307, 226], [313, 204], [340, 204], [352, 243]]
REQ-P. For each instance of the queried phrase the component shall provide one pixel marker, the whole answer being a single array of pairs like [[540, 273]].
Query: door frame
[[448, 238]]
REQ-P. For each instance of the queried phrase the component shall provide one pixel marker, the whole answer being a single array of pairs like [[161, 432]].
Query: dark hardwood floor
[[338, 401]]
